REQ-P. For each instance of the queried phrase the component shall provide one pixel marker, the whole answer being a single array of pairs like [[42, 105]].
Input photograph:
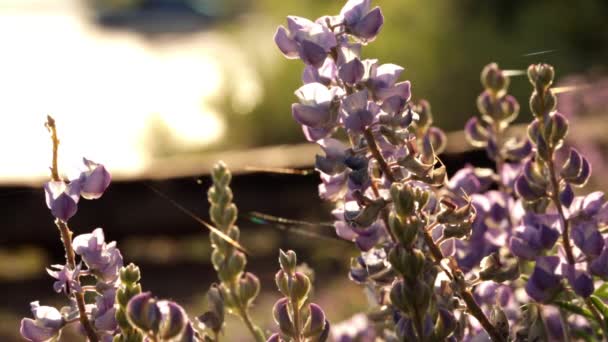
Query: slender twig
[[373, 147], [66, 238]]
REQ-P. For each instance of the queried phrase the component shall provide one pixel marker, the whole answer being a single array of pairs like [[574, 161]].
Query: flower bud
[[407, 262], [288, 261], [143, 313], [125, 293], [249, 288], [541, 75], [528, 191], [130, 274], [299, 288], [556, 128], [174, 320], [316, 321], [572, 166], [406, 229], [403, 199], [493, 78], [475, 133], [517, 149], [233, 267], [213, 318], [509, 108], [583, 176], [488, 107], [535, 174], [221, 175], [280, 312], [542, 148], [282, 281], [399, 297]]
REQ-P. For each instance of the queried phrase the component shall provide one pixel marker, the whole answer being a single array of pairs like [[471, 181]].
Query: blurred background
[[158, 90]]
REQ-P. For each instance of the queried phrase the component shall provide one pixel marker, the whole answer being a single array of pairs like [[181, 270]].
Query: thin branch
[[66, 238]]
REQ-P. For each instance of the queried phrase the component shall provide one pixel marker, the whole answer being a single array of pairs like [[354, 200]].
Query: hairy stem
[[66, 238], [373, 147], [465, 294]]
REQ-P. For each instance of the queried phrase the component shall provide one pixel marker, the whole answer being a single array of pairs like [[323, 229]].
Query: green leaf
[[602, 291], [574, 309], [603, 309]]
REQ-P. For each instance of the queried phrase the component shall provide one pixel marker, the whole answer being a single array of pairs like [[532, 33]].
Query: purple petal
[[315, 117], [32, 332], [522, 249], [369, 27], [354, 10], [94, 182], [315, 134], [351, 72], [402, 89], [312, 53], [288, 46]]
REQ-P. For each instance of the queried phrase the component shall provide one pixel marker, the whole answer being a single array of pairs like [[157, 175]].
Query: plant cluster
[[504, 254]]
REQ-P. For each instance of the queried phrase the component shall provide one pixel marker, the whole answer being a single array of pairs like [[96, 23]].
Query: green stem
[[244, 314], [597, 317]]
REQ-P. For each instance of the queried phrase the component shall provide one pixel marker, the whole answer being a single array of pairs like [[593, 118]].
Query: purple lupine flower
[[62, 198], [470, 180], [67, 279], [371, 265], [364, 237], [352, 71], [45, 326], [360, 21], [94, 181], [537, 233], [335, 154], [304, 39], [104, 312], [544, 283], [599, 265], [581, 281], [332, 187], [103, 259], [174, 319], [324, 74], [382, 82], [314, 112], [592, 206], [357, 112], [587, 237]]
